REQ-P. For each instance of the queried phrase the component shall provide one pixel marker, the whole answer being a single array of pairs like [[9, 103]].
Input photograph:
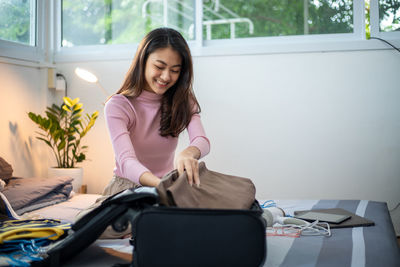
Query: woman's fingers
[[189, 172], [196, 176], [181, 168], [191, 166]]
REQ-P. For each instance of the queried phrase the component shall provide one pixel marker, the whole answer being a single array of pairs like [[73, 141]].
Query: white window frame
[[36, 53], [48, 48]]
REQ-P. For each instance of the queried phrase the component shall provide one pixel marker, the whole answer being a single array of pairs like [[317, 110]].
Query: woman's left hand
[[187, 161]]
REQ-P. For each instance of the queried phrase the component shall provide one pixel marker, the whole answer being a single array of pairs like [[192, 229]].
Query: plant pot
[[75, 173]]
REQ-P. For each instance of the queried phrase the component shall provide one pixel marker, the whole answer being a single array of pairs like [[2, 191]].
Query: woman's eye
[[158, 67], [175, 71]]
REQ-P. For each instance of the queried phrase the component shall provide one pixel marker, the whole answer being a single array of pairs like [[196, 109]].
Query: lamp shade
[[86, 75]]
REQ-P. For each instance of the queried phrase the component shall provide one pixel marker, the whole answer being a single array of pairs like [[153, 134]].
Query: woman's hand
[[187, 161], [149, 179]]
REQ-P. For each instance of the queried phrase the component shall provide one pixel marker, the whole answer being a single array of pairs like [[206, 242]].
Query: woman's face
[[162, 70]]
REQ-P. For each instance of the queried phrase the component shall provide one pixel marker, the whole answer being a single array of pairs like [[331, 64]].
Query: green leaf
[[76, 129], [77, 112], [46, 141], [41, 134], [53, 110], [32, 116], [57, 108], [80, 158], [66, 108], [61, 145], [47, 124], [51, 116], [76, 117]]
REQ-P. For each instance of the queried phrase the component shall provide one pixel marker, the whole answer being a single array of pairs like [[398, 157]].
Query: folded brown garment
[[216, 190]]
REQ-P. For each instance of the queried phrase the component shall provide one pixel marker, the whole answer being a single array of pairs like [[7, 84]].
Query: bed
[[359, 246]]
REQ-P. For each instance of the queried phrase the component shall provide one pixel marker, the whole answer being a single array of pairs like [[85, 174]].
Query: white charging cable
[[275, 215]]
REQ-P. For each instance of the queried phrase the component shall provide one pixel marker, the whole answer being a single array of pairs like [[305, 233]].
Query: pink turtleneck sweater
[[133, 125]]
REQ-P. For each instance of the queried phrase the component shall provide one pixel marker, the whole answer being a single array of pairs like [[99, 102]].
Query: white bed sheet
[[65, 211]]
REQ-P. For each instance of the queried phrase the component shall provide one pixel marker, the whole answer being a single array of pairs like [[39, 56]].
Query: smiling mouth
[[160, 83]]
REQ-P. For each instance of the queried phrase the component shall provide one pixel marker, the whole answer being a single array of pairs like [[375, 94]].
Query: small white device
[[277, 215]]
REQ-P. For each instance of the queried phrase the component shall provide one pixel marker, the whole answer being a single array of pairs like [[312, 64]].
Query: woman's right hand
[[149, 179]]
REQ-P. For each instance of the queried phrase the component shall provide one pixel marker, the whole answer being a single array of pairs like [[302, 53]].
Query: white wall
[[313, 125], [323, 125], [305, 125], [22, 89]]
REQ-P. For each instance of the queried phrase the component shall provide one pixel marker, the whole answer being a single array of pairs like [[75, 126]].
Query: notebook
[[354, 221]]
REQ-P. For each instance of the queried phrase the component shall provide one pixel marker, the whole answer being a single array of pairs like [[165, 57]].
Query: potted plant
[[62, 129]]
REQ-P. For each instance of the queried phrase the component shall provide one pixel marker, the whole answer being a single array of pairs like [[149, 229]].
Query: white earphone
[[277, 215]]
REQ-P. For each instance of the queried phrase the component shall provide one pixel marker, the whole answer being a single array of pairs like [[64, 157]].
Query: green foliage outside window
[[15, 21], [389, 15], [92, 22], [285, 17]]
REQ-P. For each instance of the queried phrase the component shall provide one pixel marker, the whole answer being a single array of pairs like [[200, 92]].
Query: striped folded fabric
[[31, 229]]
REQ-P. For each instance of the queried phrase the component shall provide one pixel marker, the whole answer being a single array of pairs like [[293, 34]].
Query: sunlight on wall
[[21, 91]]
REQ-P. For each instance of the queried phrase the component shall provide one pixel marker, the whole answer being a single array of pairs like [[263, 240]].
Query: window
[[111, 29], [67, 30], [23, 30], [91, 22], [18, 21], [232, 19]]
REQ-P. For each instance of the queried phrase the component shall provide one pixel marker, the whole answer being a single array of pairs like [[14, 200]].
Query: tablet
[[322, 217]]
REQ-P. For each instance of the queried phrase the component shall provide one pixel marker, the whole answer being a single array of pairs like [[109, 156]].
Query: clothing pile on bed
[[22, 241], [27, 194]]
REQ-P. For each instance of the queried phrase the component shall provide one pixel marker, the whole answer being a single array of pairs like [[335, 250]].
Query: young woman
[[153, 106]]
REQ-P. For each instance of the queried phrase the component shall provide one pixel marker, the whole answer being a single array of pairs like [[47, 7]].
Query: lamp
[[89, 77]]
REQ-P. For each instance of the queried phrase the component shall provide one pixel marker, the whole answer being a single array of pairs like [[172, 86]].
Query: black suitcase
[[169, 236]]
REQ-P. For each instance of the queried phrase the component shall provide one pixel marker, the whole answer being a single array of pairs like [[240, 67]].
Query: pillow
[[5, 170], [27, 194]]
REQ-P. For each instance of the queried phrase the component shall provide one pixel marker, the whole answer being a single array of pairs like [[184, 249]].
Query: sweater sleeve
[[119, 116], [197, 135]]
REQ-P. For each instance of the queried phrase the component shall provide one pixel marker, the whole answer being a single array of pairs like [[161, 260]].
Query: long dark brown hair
[[178, 103]]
